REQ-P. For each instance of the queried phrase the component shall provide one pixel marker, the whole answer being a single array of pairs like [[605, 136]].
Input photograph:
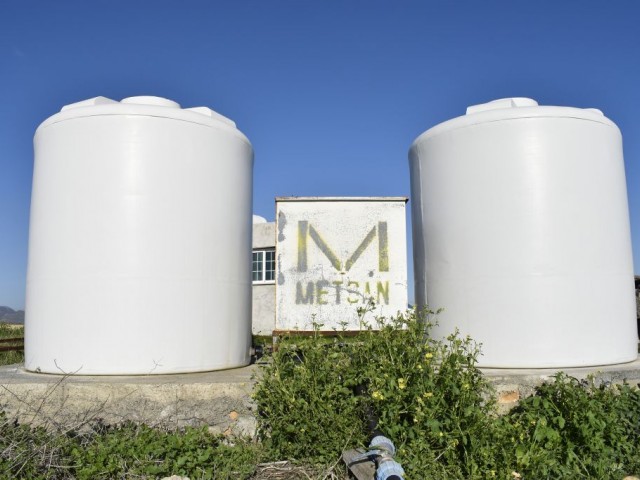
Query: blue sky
[[330, 93]]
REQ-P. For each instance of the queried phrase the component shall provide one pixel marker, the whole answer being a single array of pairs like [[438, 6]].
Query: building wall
[[264, 309], [264, 294], [334, 255], [264, 235]]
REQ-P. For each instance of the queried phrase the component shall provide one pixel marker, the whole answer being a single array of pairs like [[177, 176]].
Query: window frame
[[263, 272]]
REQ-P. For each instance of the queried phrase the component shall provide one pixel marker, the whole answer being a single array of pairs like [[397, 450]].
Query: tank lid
[[502, 103], [143, 105], [90, 102], [150, 100], [514, 108]]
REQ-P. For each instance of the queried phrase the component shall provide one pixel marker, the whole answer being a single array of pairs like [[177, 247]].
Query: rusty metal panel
[[336, 254]]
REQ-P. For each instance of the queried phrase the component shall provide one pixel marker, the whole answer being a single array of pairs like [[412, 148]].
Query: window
[[264, 266]]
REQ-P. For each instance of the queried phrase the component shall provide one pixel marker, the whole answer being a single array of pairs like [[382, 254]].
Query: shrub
[[573, 428], [316, 395], [307, 408], [427, 395]]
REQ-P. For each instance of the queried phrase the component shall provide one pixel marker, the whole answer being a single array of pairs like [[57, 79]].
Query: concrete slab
[[618, 372], [221, 400], [514, 384]]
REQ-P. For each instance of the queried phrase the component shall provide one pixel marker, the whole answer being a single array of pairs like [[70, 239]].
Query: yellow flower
[[402, 383], [427, 395], [428, 356], [377, 395]]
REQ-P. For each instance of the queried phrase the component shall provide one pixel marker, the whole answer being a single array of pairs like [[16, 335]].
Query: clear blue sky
[[330, 93]]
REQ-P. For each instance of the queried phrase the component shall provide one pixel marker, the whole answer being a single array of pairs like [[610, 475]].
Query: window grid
[[264, 266]]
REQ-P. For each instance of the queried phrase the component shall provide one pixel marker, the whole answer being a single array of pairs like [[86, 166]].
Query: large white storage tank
[[139, 240], [521, 233]]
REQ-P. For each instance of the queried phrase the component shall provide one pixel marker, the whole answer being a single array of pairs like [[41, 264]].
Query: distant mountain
[[9, 315]]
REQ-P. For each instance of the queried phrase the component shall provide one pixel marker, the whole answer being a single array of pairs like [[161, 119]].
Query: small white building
[[325, 257], [336, 254], [263, 276]]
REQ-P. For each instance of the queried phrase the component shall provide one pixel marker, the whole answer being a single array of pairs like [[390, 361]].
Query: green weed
[[138, 450], [576, 429], [428, 396], [126, 451]]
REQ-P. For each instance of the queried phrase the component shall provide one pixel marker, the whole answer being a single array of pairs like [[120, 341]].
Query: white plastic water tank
[[521, 233], [140, 240]]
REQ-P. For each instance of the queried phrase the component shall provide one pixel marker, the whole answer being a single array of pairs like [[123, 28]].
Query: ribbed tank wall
[[521, 234], [140, 241]]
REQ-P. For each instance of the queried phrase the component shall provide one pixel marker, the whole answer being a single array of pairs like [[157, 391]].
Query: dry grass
[[285, 470]]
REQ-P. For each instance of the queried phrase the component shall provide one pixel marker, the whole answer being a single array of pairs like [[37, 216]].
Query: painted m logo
[[305, 231]]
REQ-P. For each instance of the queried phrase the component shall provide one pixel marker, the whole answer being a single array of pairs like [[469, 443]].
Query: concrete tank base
[[221, 399], [512, 385]]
